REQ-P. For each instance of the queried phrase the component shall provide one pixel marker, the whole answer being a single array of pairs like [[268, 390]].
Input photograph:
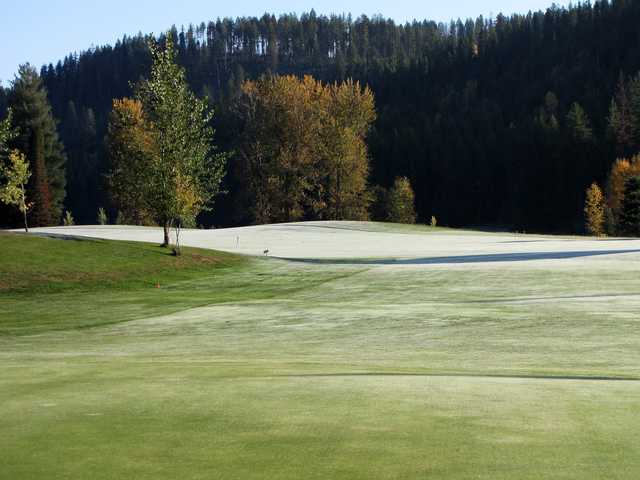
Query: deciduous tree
[[401, 202], [185, 163], [621, 171], [164, 164], [302, 148], [131, 146], [13, 187], [594, 211]]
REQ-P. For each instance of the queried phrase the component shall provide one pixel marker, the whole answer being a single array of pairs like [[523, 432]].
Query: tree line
[[301, 142], [501, 122]]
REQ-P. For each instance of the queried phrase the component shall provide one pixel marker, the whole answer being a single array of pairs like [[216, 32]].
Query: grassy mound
[[50, 264], [68, 283]]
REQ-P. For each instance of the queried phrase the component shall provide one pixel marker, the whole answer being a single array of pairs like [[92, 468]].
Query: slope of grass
[[61, 283], [34, 264], [288, 371]]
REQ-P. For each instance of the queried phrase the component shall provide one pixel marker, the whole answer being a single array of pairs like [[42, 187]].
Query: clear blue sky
[[43, 31]]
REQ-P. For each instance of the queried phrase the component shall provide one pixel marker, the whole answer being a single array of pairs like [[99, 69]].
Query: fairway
[[352, 351]]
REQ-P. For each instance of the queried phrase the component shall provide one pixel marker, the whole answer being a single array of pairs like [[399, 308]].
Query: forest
[[500, 123]]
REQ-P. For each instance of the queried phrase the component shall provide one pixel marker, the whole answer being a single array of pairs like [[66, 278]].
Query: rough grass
[[288, 371]]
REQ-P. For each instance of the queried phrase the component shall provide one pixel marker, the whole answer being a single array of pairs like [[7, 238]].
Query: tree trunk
[[167, 241], [24, 208]]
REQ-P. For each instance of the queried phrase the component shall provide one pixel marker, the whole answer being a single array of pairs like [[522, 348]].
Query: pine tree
[[620, 119], [38, 139], [594, 211], [42, 214], [630, 216], [579, 125]]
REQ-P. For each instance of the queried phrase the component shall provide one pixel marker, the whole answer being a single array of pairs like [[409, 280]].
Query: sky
[[44, 31]]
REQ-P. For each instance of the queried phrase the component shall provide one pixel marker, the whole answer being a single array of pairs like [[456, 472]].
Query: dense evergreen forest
[[497, 122]]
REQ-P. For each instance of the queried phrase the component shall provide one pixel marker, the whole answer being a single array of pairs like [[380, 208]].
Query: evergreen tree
[[42, 214], [38, 138], [579, 125], [630, 215], [459, 106]]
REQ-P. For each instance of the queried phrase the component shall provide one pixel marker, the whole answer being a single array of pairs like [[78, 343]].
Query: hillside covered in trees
[[499, 122]]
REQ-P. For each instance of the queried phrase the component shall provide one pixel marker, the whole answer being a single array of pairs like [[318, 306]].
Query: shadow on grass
[[466, 259], [596, 378]]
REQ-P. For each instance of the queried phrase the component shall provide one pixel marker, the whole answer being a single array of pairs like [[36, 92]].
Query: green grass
[[250, 369], [59, 284]]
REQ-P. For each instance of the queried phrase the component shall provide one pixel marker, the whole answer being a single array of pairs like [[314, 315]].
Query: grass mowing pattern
[[290, 371]]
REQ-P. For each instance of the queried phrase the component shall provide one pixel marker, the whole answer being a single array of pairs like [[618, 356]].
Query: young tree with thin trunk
[[184, 163], [594, 211], [14, 178], [164, 165]]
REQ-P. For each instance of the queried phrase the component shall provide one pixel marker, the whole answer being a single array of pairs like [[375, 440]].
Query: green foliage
[[82, 137], [630, 215], [401, 202], [38, 139], [579, 124], [185, 168], [164, 163], [131, 146], [458, 104], [13, 182], [378, 206], [67, 219], [102, 217], [7, 133]]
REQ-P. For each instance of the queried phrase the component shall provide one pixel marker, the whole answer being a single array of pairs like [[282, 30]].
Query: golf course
[[349, 351]]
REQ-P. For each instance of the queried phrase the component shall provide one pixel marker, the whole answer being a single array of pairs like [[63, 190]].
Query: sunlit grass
[[252, 369]]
